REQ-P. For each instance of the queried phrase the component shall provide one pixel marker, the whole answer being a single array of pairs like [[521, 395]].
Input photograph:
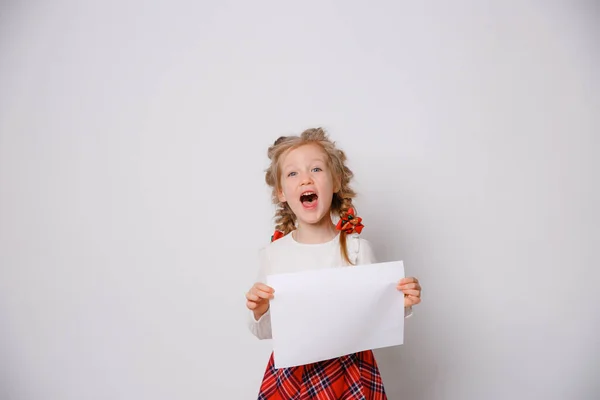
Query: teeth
[[307, 193]]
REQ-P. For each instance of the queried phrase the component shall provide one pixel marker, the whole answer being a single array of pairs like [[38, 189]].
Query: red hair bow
[[350, 223], [276, 235]]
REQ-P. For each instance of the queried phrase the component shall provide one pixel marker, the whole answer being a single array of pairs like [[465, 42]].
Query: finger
[[251, 296], [409, 292], [407, 280], [411, 300], [409, 286], [251, 305], [264, 288], [263, 294]]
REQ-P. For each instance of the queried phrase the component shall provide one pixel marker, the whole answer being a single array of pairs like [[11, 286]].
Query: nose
[[306, 179]]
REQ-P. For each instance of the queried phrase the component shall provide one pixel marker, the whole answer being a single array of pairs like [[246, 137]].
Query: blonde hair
[[285, 219]]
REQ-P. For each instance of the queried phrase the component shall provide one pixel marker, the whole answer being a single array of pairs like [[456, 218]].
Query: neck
[[321, 232]]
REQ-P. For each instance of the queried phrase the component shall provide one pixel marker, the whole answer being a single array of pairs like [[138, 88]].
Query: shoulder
[[278, 245], [271, 254]]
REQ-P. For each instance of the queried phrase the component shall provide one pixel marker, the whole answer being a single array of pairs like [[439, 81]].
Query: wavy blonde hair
[[285, 219]]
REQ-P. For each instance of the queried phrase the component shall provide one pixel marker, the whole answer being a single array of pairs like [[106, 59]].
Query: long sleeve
[[367, 256], [261, 328]]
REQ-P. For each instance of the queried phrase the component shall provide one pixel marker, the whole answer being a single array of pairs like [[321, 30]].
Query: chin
[[313, 219]]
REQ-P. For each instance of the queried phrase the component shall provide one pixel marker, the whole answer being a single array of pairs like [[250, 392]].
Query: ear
[[337, 184], [281, 196]]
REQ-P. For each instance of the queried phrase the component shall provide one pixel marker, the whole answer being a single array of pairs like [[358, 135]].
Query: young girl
[[310, 181]]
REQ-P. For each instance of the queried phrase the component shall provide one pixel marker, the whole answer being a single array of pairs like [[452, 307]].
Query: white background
[[133, 139]]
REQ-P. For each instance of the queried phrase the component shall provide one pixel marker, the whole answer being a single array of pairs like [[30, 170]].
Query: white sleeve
[[365, 256], [261, 328]]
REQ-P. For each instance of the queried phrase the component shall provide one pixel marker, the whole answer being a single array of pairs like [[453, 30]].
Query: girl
[[310, 181]]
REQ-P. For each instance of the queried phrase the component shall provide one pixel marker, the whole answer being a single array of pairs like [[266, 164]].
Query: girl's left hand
[[411, 289]]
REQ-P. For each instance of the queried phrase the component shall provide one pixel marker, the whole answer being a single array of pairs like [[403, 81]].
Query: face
[[307, 183]]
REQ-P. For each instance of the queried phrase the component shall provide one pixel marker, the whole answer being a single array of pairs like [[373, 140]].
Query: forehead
[[305, 153]]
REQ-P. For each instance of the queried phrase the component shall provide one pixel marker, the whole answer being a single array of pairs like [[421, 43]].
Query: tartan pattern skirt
[[352, 377]]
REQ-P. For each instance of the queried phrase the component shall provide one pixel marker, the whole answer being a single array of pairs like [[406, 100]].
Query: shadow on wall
[[410, 371]]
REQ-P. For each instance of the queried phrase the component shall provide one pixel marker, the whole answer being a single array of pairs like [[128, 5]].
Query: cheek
[[327, 184], [287, 191]]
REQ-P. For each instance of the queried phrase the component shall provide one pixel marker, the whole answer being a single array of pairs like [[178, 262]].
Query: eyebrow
[[321, 160]]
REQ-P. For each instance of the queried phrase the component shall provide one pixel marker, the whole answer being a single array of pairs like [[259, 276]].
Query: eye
[[317, 169], [291, 174]]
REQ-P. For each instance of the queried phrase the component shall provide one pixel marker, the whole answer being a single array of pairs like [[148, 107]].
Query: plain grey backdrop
[[133, 138]]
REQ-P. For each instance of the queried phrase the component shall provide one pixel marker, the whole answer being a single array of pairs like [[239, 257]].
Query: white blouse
[[287, 255]]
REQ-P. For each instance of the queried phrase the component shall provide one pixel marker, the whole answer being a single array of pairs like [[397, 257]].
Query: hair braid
[[342, 202], [285, 219]]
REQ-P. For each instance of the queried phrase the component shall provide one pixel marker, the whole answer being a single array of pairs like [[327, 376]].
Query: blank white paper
[[322, 314]]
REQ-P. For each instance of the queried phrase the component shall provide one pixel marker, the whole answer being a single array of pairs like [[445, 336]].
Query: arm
[[260, 325]]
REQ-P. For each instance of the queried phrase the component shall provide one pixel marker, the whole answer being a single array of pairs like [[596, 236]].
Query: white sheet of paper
[[322, 314]]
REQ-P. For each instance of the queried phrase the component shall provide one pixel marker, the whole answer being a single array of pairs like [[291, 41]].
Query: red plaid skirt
[[352, 377]]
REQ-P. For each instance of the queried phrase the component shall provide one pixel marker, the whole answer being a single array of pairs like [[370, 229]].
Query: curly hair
[[285, 219]]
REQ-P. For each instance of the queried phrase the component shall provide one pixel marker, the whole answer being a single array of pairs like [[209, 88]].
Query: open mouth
[[307, 198]]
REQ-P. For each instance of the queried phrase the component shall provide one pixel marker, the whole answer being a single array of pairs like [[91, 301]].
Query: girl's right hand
[[257, 299]]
